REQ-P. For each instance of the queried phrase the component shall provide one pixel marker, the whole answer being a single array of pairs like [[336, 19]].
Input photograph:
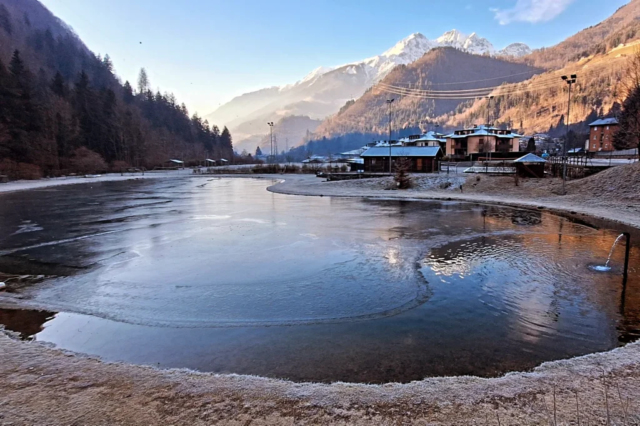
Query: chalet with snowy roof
[[425, 139], [462, 144], [423, 159], [601, 135]]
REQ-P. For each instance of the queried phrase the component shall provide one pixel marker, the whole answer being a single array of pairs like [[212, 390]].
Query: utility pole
[[570, 81], [270, 124], [389, 102], [488, 125]]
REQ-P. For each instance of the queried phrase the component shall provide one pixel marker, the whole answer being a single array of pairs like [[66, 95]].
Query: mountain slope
[[540, 104], [439, 69], [624, 22]]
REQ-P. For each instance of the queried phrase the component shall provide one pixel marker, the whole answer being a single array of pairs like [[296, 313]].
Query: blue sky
[[208, 51]]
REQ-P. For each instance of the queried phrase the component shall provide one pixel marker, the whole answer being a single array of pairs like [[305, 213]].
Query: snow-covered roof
[[604, 122], [484, 131], [355, 151], [314, 159], [429, 137], [209, 160], [176, 161], [575, 150], [530, 158], [224, 161], [403, 151], [386, 143]]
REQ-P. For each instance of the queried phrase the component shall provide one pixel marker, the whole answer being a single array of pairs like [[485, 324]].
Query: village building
[[426, 139], [465, 143], [422, 159], [601, 135], [530, 166]]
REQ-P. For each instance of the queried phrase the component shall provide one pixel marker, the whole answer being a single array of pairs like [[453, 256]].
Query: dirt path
[[44, 386]]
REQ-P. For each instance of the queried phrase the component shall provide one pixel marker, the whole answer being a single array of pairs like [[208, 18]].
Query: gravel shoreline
[[44, 386]]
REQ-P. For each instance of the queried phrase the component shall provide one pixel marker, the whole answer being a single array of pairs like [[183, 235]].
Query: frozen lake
[[221, 275]]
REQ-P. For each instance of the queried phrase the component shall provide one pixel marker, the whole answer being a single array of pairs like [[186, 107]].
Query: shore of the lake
[[24, 185], [41, 385], [530, 193]]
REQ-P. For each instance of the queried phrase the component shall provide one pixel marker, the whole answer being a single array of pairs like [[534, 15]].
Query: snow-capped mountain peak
[[415, 42], [315, 74], [478, 45], [515, 50], [453, 38]]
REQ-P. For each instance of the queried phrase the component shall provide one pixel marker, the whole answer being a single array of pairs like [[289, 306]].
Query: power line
[[502, 90], [485, 79], [512, 89]]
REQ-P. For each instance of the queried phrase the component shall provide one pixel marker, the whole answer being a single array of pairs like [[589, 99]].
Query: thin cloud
[[532, 11]]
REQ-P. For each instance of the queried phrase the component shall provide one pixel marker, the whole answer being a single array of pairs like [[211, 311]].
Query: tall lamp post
[[270, 124], [389, 102], [570, 80]]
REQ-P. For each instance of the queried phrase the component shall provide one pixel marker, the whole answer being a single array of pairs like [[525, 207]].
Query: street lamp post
[[270, 124], [389, 102], [570, 80]]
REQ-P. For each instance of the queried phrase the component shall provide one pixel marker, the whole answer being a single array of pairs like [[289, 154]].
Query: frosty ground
[[41, 385]]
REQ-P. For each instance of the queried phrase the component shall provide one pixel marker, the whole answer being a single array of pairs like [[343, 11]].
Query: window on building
[[595, 128]]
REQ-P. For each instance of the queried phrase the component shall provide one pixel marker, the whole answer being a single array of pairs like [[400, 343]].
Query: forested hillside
[[62, 108], [539, 105], [621, 27]]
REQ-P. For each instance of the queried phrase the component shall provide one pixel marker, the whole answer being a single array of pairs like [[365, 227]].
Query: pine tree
[[143, 82], [6, 100], [127, 94], [84, 103], [226, 143], [5, 19], [108, 65], [531, 145], [258, 151], [58, 85], [16, 66]]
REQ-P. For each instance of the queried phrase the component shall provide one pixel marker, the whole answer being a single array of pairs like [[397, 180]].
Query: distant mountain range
[[536, 104], [325, 90], [441, 68]]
